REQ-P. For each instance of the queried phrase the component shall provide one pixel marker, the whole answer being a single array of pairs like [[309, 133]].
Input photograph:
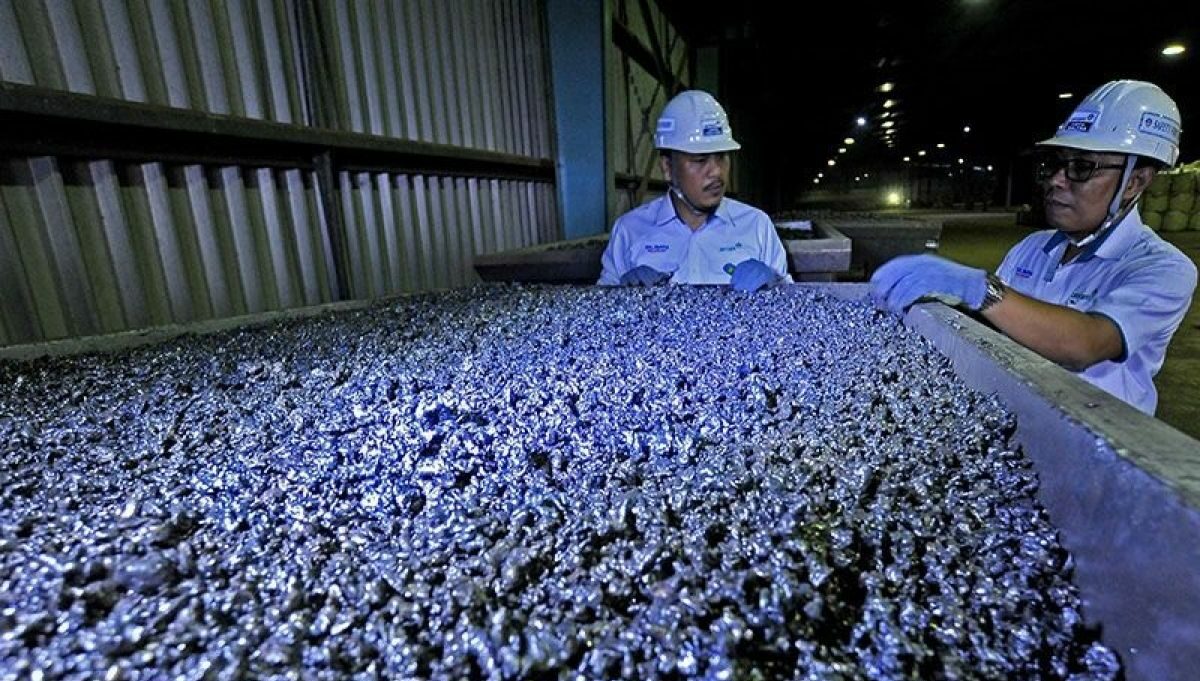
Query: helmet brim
[[700, 148], [1090, 144]]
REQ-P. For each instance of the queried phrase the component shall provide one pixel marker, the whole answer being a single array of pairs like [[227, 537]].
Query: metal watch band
[[995, 292]]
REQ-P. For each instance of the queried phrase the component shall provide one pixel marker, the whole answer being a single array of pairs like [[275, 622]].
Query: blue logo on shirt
[[1023, 272], [657, 248], [726, 249], [1079, 297]]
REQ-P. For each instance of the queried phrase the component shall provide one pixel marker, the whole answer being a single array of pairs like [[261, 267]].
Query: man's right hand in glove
[[644, 275]]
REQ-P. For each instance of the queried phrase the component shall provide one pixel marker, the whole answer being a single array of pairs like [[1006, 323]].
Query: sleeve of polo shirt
[[1005, 270], [1151, 301], [614, 262]]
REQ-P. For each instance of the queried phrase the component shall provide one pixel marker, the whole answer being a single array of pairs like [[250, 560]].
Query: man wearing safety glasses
[[1101, 294]]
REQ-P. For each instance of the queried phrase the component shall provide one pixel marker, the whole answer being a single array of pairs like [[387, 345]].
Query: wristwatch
[[994, 293]]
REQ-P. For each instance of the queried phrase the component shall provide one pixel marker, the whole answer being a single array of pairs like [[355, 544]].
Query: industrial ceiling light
[[1065, 95], [941, 145], [908, 159], [861, 121], [889, 103], [887, 87], [1173, 49], [820, 174], [888, 124], [961, 161], [848, 140], [816, 180], [841, 150], [831, 162], [921, 152], [966, 128]]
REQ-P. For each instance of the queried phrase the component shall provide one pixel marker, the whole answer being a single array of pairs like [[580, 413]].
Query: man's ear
[[1139, 179], [664, 162]]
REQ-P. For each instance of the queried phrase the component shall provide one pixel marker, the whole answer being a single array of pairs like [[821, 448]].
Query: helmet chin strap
[[691, 206], [1116, 212]]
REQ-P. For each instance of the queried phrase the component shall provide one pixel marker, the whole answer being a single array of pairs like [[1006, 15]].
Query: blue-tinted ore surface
[[514, 482]]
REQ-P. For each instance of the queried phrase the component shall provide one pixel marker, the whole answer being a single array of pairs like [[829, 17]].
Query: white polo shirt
[[1130, 276], [652, 234]]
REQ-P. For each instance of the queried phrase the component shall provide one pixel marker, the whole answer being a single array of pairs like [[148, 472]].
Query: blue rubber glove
[[751, 275], [904, 280], [644, 275]]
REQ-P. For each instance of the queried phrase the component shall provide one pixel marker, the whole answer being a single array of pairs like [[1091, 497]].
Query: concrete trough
[[875, 239], [816, 252], [1122, 488]]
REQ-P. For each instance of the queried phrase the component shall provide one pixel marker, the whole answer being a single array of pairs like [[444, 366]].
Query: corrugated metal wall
[[98, 245]]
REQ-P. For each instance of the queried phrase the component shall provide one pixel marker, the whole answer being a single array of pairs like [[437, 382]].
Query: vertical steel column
[[319, 93], [579, 36]]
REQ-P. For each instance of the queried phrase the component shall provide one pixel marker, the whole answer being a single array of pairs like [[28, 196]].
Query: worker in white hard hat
[[694, 234], [1100, 293]]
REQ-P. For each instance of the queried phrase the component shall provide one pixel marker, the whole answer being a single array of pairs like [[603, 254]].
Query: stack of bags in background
[[1172, 202]]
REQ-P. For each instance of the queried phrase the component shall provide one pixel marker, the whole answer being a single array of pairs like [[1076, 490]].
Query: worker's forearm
[[1068, 337]]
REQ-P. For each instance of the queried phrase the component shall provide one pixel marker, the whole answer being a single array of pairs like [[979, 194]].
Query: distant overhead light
[[887, 87], [940, 145], [866, 174], [908, 159], [921, 152], [1173, 49], [893, 198], [960, 161], [848, 140], [857, 178], [820, 174], [888, 124], [889, 103], [861, 121], [966, 128], [1065, 95], [831, 162], [816, 180], [841, 150], [989, 169]]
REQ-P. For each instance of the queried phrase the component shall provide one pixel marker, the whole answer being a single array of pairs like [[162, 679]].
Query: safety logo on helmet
[[712, 128], [1081, 120], [1159, 126], [666, 125]]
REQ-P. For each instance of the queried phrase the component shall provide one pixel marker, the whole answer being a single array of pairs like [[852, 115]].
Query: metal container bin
[[817, 252]]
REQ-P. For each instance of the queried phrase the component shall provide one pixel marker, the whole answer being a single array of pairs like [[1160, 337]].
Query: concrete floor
[[982, 240]]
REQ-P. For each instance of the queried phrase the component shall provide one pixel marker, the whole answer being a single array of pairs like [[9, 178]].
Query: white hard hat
[[694, 122], [1123, 117]]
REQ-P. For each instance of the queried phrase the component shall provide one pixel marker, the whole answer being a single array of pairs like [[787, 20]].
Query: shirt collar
[[1110, 245], [666, 211]]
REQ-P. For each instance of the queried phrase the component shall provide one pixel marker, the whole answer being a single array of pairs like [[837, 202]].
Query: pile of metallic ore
[[510, 482]]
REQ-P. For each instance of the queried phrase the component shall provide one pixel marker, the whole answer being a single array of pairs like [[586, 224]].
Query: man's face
[[1075, 204], [701, 177]]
